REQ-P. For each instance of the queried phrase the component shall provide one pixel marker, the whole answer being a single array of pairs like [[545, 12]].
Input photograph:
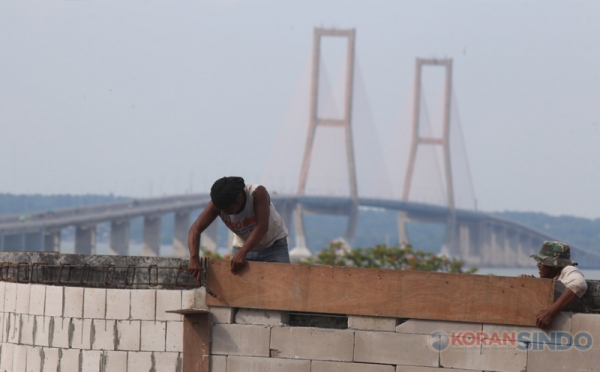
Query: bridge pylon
[[450, 239], [345, 123]]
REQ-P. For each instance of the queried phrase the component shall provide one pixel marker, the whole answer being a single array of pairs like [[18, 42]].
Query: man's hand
[[194, 268], [545, 318], [238, 262]]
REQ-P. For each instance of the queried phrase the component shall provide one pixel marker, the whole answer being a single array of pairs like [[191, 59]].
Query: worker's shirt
[[573, 279]]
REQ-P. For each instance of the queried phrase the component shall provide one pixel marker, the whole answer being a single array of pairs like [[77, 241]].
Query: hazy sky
[[152, 97]]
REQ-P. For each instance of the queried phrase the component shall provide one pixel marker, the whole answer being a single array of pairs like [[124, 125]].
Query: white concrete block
[[264, 317], [94, 303], [27, 326], [562, 322], [42, 331], [37, 299], [6, 357], [589, 323], [468, 355], [238, 339], [568, 360], [194, 299], [10, 298], [321, 366], [218, 363], [2, 293], [427, 327], [143, 304], [114, 361], [118, 302], [90, 360], [54, 301], [312, 343], [23, 298], [372, 323], [34, 358], [80, 333], [19, 358], [174, 337], [128, 335], [13, 328], [428, 369], [394, 348], [104, 334], [153, 336], [139, 361], [60, 332], [166, 362], [51, 359], [222, 314], [168, 300], [249, 364], [69, 359], [3, 317], [73, 301]]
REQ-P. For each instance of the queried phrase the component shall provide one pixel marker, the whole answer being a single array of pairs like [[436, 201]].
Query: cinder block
[[73, 302], [264, 317], [42, 331], [466, 355], [167, 300], [139, 361], [589, 323], [13, 328], [27, 326], [6, 357], [60, 332], [194, 299], [394, 348], [218, 363], [320, 366], [371, 323], [249, 364], [222, 314], [128, 335], [94, 303], [51, 359], [238, 339], [568, 360], [19, 359], [118, 303], [54, 301], [2, 293], [143, 304], [103, 336], [37, 298], [166, 362], [90, 360], [3, 317], [69, 359], [153, 336], [427, 327], [34, 358], [562, 322], [174, 336], [114, 361], [23, 298], [427, 369], [312, 343], [80, 333], [10, 298]]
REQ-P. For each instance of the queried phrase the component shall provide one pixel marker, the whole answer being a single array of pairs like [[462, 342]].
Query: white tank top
[[244, 222]]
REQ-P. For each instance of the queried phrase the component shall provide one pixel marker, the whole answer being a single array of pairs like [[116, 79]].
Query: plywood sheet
[[196, 342], [386, 293]]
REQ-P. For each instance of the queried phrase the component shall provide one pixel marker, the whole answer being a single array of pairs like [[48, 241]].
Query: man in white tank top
[[259, 231]]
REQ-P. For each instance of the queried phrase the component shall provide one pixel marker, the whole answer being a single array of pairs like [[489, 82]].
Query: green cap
[[554, 254]]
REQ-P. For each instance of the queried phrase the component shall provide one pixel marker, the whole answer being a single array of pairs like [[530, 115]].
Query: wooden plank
[[386, 293], [196, 342]]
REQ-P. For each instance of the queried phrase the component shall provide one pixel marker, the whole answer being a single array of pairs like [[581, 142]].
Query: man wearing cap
[[554, 262], [259, 231]]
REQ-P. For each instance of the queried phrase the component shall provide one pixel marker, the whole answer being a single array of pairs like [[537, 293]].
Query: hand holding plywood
[[385, 293]]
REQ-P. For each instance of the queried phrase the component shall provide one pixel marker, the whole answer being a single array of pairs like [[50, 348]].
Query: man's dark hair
[[225, 190]]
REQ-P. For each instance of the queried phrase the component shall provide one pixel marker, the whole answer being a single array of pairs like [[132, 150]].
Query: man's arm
[[208, 215], [262, 211], [545, 317]]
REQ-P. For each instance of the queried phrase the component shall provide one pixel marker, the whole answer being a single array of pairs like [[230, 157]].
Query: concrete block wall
[[246, 340], [54, 328]]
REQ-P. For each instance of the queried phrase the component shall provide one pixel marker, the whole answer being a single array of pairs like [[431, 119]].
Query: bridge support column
[[230, 240], [402, 231], [180, 234], [210, 237], [14, 242], [299, 227], [151, 239], [85, 239], [52, 241], [119, 237]]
